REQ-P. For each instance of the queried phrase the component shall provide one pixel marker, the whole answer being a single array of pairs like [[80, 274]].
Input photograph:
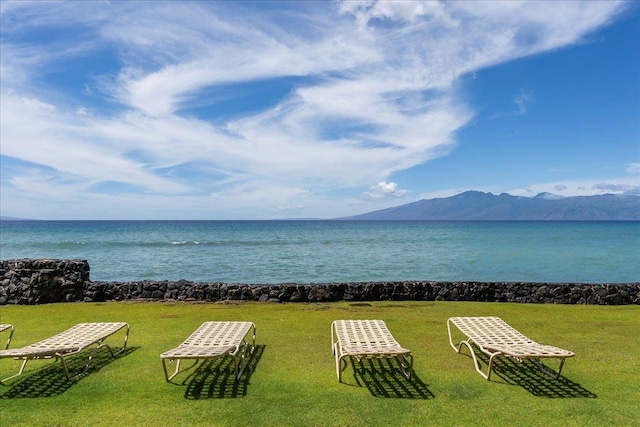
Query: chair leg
[[166, 373], [408, 373], [476, 363], [339, 368], [240, 364], [490, 368], [553, 374], [175, 372], [11, 329], [124, 345], [24, 363]]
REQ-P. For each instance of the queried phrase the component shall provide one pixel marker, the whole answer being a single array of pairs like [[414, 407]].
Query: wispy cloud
[[580, 188], [565, 188], [633, 168], [364, 89], [618, 188], [521, 100]]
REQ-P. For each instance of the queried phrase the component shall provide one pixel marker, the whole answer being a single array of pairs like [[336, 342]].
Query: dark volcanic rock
[[41, 281]]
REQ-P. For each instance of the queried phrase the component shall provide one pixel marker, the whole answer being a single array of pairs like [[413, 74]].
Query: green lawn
[[292, 379]]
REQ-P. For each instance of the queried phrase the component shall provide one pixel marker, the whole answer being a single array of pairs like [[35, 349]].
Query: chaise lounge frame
[[494, 337], [67, 343], [367, 339], [210, 341], [4, 327]]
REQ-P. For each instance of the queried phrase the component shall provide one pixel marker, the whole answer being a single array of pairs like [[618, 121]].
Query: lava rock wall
[[41, 281]]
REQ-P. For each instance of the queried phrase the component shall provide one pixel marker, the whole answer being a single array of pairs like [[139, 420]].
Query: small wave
[[161, 244], [60, 243], [187, 243]]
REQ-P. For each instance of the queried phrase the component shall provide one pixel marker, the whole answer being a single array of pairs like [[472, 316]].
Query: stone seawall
[[37, 281], [42, 281]]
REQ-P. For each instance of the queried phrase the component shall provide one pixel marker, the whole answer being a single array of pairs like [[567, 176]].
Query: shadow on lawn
[[215, 379], [384, 378], [50, 380], [527, 374]]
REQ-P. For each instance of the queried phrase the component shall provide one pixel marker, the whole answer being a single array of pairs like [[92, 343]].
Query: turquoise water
[[335, 251]]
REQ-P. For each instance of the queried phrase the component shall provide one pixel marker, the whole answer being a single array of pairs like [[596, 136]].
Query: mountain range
[[479, 206]]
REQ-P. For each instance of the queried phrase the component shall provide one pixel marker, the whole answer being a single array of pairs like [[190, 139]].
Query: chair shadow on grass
[[215, 379], [50, 380], [384, 378], [528, 375]]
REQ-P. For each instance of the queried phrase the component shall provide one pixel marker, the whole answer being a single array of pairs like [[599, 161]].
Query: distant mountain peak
[[473, 193], [479, 206]]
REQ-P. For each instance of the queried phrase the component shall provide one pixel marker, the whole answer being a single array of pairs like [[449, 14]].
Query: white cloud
[[580, 188], [383, 191], [74, 145], [366, 11], [521, 100], [633, 168], [618, 188]]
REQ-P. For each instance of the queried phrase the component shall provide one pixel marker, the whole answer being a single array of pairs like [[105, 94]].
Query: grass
[[292, 380]]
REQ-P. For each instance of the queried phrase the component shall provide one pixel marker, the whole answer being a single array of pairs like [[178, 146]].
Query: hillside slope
[[476, 205]]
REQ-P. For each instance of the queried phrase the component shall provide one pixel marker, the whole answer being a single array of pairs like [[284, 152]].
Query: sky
[[311, 109]]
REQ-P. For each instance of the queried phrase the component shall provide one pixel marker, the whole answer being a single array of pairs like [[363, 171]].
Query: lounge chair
[[367, 339], [5, 327], [494, 337], [210, 341], [67, 343]]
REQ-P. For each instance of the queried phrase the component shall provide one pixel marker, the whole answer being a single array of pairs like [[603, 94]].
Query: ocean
[[260, 252]]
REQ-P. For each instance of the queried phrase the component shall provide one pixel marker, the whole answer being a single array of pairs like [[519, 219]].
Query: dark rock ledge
[[41, 281]]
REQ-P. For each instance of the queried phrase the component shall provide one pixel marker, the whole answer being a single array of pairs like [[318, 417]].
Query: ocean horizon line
[[15, 219]]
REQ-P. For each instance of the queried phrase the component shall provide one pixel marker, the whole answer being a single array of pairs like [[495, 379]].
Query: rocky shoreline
[[42, 281]]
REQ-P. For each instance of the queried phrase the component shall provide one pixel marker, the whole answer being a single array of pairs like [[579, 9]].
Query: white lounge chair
[[210, 341], [70, 342], [494, 337], [4, 327], [367, 339]]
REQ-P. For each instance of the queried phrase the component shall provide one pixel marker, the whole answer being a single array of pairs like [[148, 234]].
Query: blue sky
[[266, 110]]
